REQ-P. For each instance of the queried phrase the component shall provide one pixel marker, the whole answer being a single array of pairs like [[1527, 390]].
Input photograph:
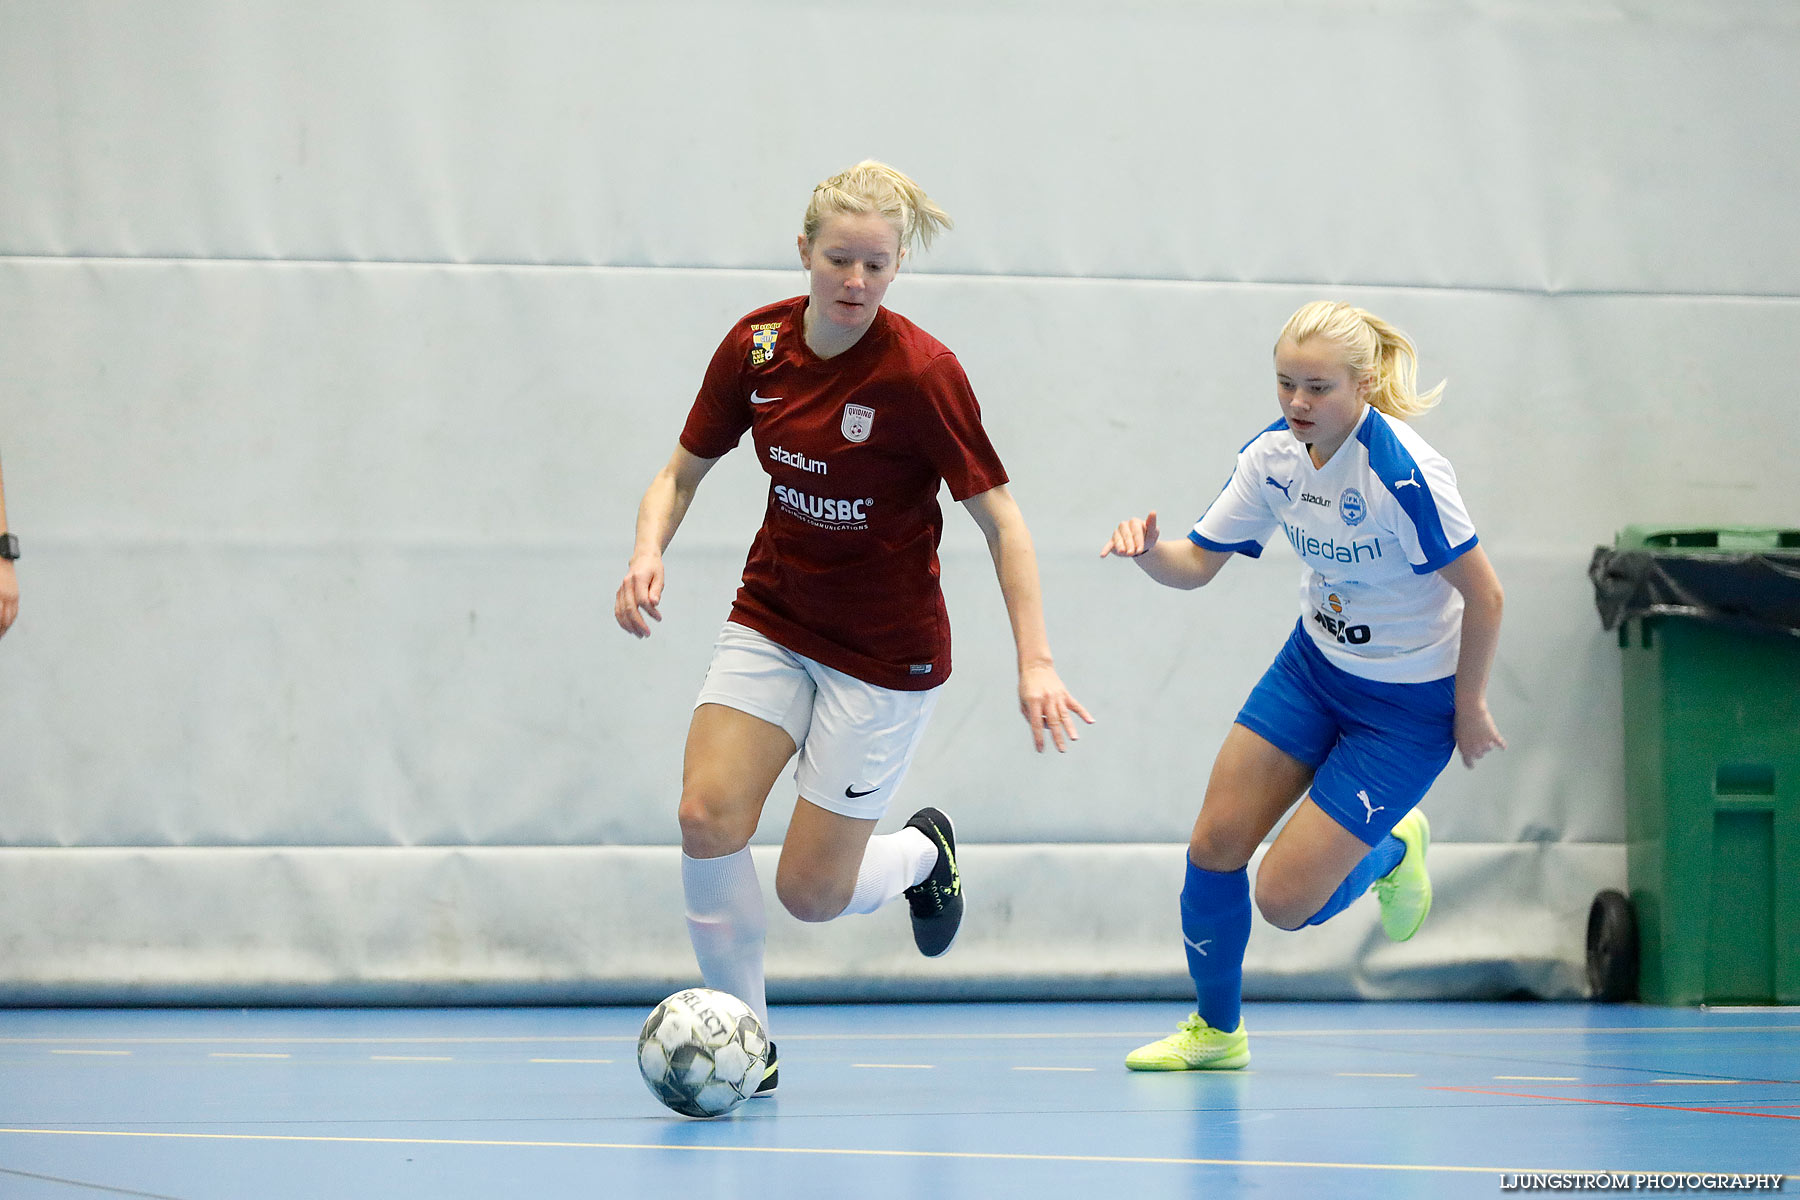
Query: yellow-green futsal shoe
[[1196, 1046], [1405, 892]]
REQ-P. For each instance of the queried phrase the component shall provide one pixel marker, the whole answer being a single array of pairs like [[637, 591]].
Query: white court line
[[1378, 1074], [101, 1053], [973, 1155], [318, 1041]]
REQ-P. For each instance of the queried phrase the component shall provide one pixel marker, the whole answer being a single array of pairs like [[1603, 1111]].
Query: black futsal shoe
[[937, 903], [771, 1075]]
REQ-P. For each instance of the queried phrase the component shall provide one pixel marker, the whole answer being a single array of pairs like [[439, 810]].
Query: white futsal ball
[[702, 1052]]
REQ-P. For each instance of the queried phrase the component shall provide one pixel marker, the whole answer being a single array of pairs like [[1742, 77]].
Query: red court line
[[1728, 1112], [1667, 1083]]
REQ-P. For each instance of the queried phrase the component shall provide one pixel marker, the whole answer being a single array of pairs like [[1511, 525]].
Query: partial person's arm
[[9, 578], [1043, 700], [1474, 577], [1178, 564], [665, 503]]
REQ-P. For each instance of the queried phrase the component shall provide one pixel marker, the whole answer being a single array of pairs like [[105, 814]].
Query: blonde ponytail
[[1373, 350]]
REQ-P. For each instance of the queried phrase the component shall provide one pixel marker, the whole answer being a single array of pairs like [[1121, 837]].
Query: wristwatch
[[9, 546]]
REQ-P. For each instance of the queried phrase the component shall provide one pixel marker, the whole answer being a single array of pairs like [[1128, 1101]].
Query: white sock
[[892, 863], [727, 925]]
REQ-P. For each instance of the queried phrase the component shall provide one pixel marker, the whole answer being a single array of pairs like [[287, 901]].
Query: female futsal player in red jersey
[[838, 641]]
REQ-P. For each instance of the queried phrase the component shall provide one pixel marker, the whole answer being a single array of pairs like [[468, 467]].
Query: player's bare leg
[[816, 882], [1304, 867], [731, 764], [820, 860], [1294, 886]]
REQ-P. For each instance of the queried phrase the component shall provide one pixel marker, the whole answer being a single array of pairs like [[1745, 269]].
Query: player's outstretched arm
[[9, 595], [1483, 600], [1177, 564], [1044, 702], [665, 503]]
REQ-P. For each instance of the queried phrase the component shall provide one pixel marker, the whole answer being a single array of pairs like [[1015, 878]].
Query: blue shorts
[[1375, 748]]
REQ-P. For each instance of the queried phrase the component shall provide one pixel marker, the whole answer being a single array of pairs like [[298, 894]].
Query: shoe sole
[[771, 1078], [1231, 1062]]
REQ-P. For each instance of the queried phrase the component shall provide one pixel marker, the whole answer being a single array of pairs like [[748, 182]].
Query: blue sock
[[1215, 924], [1378, 862]]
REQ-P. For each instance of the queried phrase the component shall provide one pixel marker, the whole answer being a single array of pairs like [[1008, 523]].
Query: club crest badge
[[858, 420], [1352, 507], [762, 342]]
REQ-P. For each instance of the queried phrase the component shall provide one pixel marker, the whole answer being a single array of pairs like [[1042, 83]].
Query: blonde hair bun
[[875, 187]]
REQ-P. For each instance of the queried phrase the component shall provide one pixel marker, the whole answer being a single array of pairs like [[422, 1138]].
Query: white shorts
[[856, 740]]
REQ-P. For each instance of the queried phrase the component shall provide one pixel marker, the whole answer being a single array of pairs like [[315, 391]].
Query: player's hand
[[1132, 538], [1476, 733], [9, 595], [1047, 707], [639, 595]]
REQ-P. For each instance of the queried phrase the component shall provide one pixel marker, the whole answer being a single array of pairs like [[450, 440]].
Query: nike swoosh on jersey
[[756, 399]]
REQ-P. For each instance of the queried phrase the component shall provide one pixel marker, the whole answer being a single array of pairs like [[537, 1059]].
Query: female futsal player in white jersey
[[1384, 676], [838, 641]]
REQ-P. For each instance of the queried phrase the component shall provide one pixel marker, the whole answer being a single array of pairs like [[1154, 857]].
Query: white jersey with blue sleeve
[[1372, 527]]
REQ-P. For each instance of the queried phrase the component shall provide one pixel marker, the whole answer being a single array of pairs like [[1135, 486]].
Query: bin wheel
[[1612, 949]]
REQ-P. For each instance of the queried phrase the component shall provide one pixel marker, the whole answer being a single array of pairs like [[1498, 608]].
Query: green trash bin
[[1709, 629]]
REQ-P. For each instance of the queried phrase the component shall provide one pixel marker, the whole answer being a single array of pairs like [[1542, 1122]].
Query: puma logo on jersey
[[1281, 487], [1370, 805], [1410, 481], [1198, 947], [794, 458]]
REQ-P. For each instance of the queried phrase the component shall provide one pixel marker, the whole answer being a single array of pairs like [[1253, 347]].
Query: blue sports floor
[[917, 1101]]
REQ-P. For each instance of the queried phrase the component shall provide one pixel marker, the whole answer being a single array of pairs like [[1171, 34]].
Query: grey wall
[[338, 342]]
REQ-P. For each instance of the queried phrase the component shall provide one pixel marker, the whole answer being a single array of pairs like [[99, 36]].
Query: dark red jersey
[[845, 567]]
